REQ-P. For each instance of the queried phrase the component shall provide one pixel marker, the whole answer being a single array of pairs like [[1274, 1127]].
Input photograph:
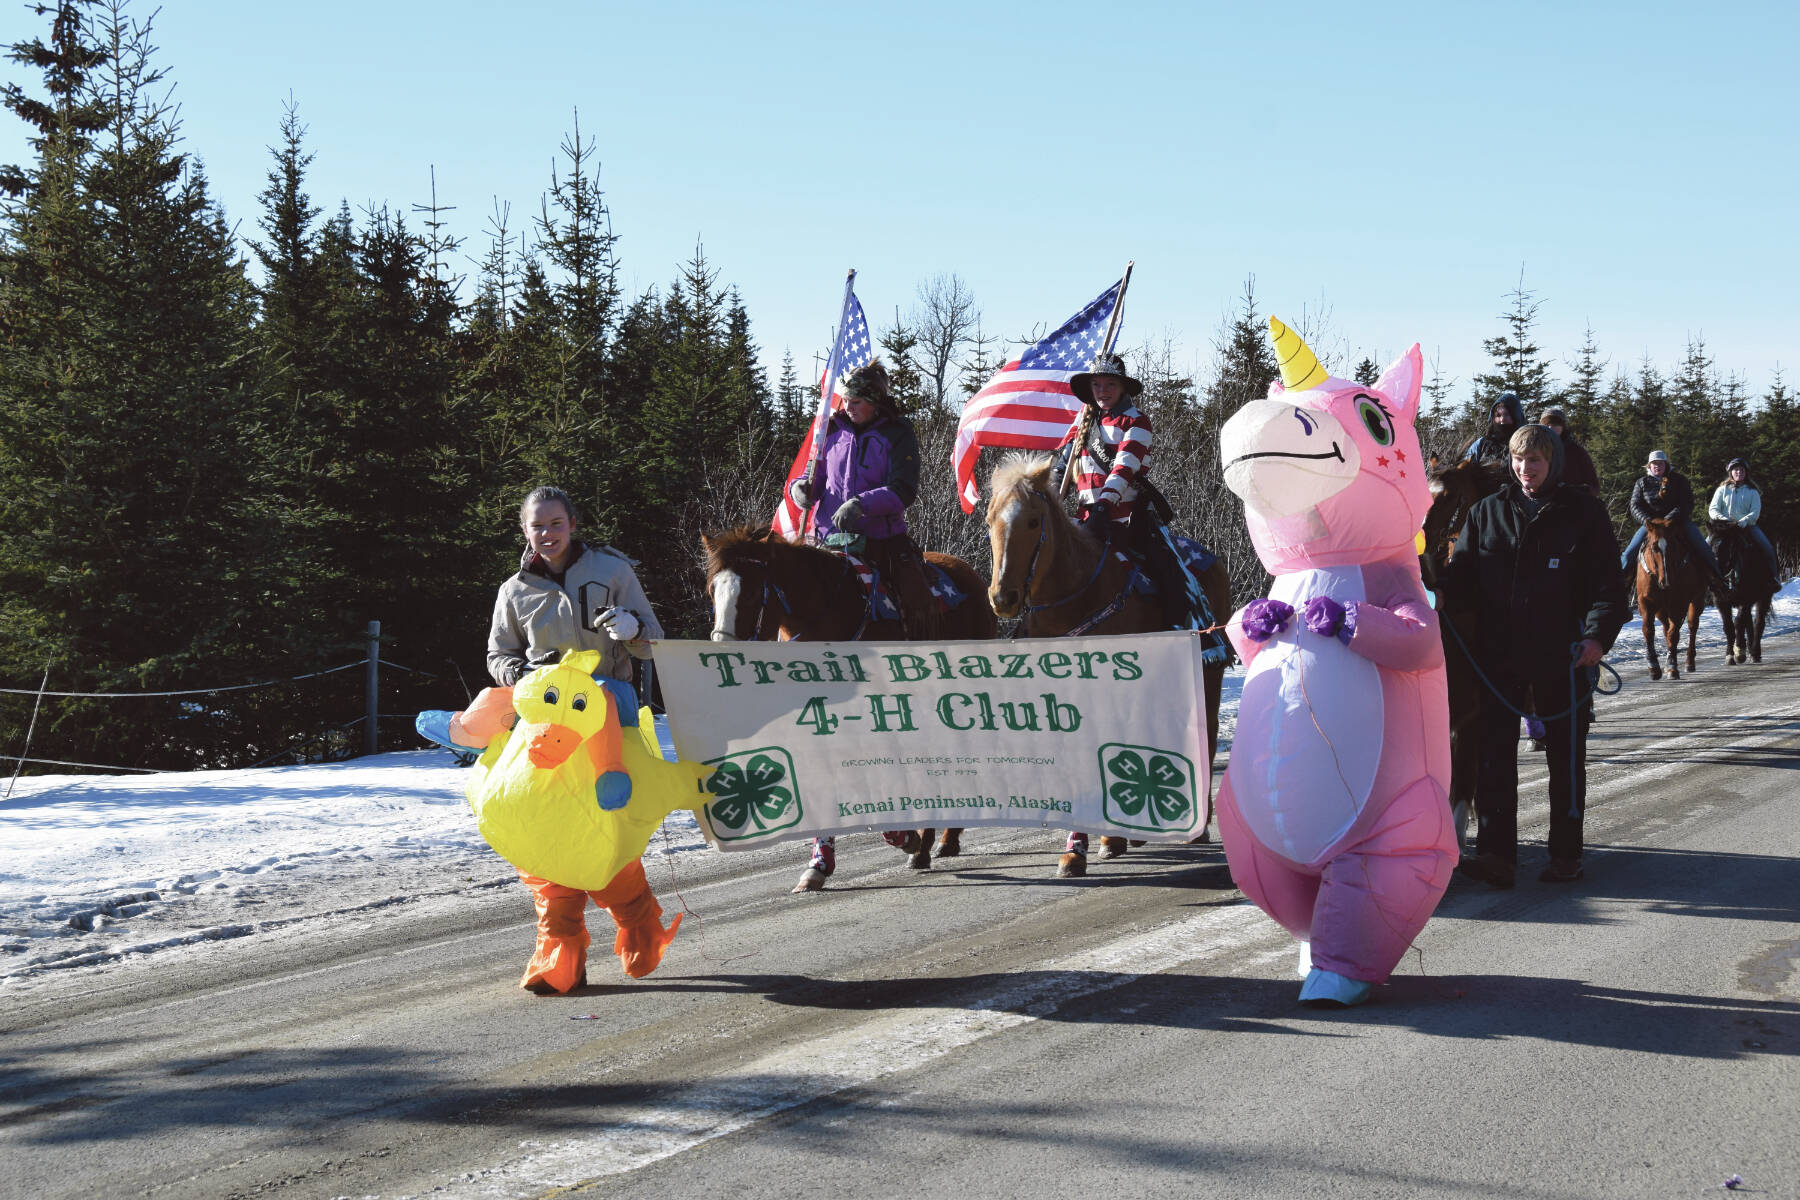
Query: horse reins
[[1031, 572]]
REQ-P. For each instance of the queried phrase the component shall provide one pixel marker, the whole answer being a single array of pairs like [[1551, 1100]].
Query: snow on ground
[[97, 868]]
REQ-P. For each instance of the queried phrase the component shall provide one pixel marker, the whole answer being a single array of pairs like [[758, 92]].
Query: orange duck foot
[[557, 967], [640, 945]]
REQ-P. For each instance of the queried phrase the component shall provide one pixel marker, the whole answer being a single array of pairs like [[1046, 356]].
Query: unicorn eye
[[551, 695], [579, 704], [1376, 421]]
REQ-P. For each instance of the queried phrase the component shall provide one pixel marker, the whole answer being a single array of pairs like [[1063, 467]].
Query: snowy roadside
[[98, 869]]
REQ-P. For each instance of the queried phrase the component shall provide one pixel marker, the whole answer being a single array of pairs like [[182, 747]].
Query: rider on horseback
[[1739, 501], [1505, 416], [870, 469], [1113, 491], [1661, 492]]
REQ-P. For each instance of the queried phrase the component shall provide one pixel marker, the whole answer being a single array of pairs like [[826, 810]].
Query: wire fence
[[329, 742]]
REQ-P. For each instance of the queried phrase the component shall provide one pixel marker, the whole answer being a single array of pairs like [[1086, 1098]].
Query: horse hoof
[[951, 844], [1655, 671], [1112, 847], [1071, 866], [811, 880], [920, 861]]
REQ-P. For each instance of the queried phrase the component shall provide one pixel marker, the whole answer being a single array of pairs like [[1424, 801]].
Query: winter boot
[[824, 862], [1073, 864]]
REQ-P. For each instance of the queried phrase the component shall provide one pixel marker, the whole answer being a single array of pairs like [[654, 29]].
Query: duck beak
[[551, 745]]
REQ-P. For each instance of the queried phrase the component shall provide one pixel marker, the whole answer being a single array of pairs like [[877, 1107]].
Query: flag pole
[[826, 390], [1085, 423]]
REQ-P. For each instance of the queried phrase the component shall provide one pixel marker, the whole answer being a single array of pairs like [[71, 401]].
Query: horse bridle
[[787, 608], [762, 606], [1031, 571]]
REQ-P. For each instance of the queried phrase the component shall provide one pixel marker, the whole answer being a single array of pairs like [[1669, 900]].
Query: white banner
[[1100, 734]]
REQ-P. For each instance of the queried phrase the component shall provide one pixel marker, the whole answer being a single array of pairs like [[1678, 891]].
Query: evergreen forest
[[225, 450]]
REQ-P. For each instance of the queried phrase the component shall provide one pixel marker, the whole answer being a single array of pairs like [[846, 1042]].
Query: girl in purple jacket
[[866, 476]]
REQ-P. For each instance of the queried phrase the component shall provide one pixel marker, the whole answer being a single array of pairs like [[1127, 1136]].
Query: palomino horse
[[1067, 583], [765, 587], [1454, 491], [1749, 587], [1671, 587]]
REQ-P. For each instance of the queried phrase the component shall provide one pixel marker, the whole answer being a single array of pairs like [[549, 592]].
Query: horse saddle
[[884, 602], [1183, 561]]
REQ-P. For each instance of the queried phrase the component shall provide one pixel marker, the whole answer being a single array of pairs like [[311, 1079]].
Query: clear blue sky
[[1396, 163]]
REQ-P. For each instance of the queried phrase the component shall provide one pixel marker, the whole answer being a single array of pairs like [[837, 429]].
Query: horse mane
[[1021, 472], [732, 547]]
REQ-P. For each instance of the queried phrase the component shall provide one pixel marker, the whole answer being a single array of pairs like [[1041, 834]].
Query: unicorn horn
[[1300, 368]]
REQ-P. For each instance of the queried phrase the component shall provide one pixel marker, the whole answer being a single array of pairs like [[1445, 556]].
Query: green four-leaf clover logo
[[1147, 788], [754, 793]]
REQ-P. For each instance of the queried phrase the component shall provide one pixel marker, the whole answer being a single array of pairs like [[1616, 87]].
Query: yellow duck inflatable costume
[[570, 796]]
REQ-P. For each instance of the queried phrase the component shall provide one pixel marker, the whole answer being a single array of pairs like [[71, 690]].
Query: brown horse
[[1067, 583], [765, 587], [1671, 587], [1749, 588], [1454, 491]]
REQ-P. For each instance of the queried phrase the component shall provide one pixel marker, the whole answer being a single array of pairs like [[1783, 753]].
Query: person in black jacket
[[1505, 415], [1662, 491], [1535, 563]]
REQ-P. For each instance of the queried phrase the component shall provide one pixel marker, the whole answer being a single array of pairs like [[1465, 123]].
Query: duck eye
[[579, 704], [1376, 421], [551, 695]]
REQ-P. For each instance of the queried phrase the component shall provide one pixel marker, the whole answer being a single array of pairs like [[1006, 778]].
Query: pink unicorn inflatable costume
[[1333, 807]]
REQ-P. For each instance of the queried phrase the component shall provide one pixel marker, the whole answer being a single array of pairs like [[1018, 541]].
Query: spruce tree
[[122, 381], [899, 344], [1518, 367], [1580, 400], [1774, 454]]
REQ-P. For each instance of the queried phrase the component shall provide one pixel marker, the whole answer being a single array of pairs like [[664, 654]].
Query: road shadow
[[1720, 741], [1686, 883]]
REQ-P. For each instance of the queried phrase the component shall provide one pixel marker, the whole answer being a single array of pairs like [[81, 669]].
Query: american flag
[[851, 350], [1027, 405]]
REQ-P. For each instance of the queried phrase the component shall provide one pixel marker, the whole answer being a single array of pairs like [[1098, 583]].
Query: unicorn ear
[[1276, 389], [1401, 381]]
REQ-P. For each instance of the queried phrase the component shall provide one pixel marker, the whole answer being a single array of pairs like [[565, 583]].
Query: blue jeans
[[1695, 540], [1762, 543]]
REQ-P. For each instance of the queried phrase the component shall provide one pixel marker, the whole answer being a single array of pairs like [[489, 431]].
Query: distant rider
[[1739, 501], [1505, 415], [1578, 464], [1663, 492]]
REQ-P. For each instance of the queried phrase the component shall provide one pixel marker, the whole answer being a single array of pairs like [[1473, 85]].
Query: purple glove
[[1327, 618], [1265, 618]]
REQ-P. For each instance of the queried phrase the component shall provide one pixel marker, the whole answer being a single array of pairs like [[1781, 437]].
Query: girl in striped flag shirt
[[1116, 455], [1113, 488]]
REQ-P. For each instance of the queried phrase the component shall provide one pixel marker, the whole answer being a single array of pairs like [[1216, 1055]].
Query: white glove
[[800, 491], [618, 624]]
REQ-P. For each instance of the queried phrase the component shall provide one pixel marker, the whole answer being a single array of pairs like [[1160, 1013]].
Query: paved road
[[987, 1030]]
